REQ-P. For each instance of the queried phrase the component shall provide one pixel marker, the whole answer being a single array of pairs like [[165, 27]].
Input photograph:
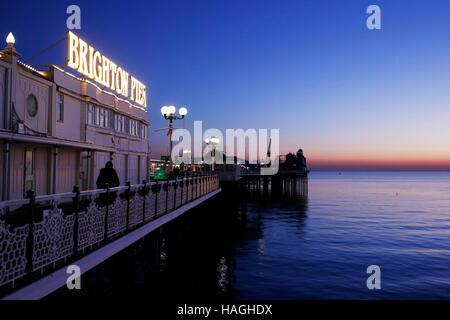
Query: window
[[106, 124], [112, 123], [127, 125], [90, 114], [97, 115], [120, 125], [143, 131], [32, 105], [101, 118], [133, 130], [60, 108]]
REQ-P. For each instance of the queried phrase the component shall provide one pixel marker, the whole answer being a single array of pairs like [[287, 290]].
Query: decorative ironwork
[[136, 208], [149, 205], [117, 218], [52, 237], [91, 229], [19, 126], [161, 201], [83, 226], [12, 252]]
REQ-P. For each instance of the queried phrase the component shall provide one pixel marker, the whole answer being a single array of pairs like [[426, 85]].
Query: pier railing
[[40, 234]]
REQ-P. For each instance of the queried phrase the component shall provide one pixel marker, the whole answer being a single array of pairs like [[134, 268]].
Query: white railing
[[40, 234]]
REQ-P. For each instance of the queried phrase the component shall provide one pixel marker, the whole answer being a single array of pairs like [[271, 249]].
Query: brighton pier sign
[[91, 63]]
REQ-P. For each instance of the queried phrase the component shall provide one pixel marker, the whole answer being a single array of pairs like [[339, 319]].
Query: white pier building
[[58, 130]]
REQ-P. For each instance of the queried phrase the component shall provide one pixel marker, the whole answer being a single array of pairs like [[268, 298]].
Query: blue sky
[[345, 94]]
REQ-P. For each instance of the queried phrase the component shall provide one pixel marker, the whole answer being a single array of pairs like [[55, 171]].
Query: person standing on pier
[[108, 177]]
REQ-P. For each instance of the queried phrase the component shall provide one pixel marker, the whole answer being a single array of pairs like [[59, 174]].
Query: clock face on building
[[32, 106]]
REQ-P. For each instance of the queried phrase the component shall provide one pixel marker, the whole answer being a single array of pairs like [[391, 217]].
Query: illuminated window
[[60, 108]]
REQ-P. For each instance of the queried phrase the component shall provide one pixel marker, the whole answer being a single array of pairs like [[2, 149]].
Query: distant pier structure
[[291, 178]]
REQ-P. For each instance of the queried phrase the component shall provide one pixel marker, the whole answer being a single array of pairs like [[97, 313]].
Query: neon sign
[[91, 63]]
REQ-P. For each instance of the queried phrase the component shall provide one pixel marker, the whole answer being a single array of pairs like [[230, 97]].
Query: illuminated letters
[[91, 63], [83, 59], [72, 51], [97, 66]]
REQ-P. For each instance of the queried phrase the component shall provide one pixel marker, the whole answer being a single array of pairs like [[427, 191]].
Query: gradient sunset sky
[[350, 97]]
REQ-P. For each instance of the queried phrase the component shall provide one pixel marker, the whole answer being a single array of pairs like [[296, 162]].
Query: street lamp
[[213, 141], [169, 114], [10, 40]]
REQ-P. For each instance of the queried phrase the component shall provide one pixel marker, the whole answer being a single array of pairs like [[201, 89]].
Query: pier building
[[58, 130]]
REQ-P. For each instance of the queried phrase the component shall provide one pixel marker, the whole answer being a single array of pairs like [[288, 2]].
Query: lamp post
[[213, 141], [169, 114]]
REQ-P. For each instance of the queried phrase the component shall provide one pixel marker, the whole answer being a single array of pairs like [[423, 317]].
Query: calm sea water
[[319, 247]]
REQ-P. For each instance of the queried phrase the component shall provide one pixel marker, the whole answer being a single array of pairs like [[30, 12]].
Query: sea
[[324, 244], [349, 235]]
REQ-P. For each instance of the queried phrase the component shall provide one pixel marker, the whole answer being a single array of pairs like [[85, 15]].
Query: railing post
[[144, 193], [76, 210], [30, 240], [167, 194], [106, 212], [175, 186], [127, 195], [156, 198], [182, 187]]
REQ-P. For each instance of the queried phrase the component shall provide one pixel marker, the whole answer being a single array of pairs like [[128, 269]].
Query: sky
[[350, 97]]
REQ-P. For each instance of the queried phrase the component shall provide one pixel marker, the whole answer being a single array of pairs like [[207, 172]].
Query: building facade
[[58, 130]]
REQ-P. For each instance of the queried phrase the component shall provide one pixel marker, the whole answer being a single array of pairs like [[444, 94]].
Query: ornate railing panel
[[117, 218], [52, 237], [12, 252], [171, 196], [91, 226], [178, 194], [150, 205], [38, 234], [136, 209], [161, 201]]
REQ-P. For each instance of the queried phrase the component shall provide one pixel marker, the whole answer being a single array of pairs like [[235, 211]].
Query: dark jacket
[[107, 176]]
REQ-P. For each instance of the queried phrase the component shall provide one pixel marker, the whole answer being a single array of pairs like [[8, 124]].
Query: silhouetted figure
[[108, 177], [301, 161], [290, 162]]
